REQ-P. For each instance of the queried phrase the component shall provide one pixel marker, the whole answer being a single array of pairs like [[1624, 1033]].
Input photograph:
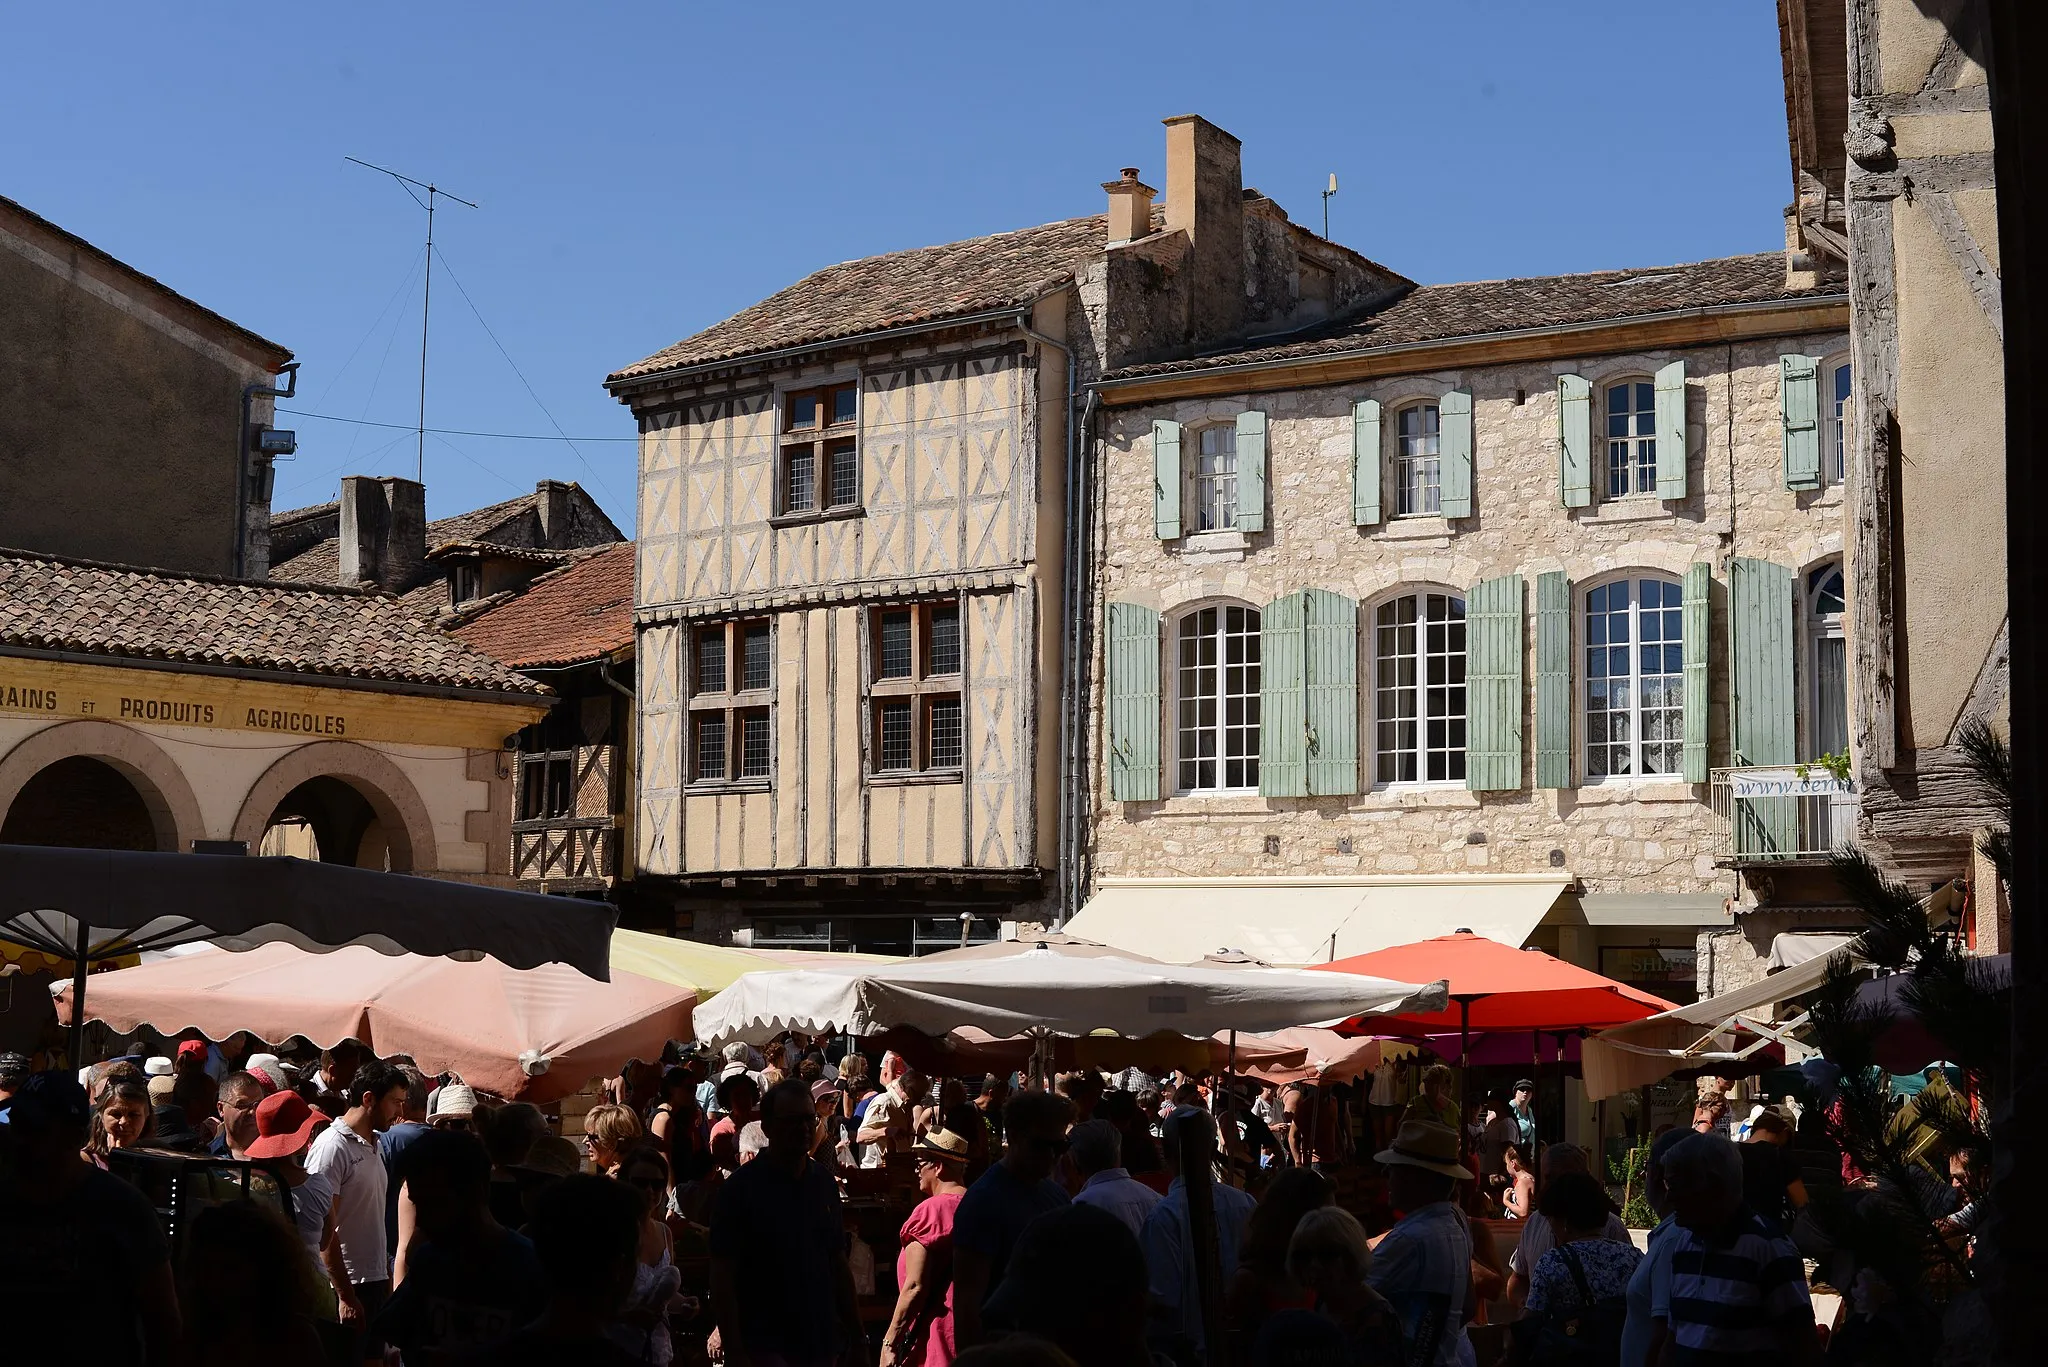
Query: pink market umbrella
[[529, 1034]]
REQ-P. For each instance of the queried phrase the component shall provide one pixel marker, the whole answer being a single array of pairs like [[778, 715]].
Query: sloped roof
[[926, 284], [1432, 313], [567, 616], [123, 612]]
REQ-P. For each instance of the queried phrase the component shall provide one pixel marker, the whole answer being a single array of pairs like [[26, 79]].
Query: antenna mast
[[427, 299]]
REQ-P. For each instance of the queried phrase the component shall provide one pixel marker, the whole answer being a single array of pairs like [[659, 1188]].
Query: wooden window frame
[[820, 440], [732, 703], [923, 690]]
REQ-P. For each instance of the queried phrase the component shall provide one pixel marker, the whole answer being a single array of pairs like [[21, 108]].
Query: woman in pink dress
[[921, 1330]]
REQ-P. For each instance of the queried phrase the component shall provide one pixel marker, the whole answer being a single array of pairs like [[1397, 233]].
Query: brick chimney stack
[[383, 531], [1205, 200], [1130, 207]]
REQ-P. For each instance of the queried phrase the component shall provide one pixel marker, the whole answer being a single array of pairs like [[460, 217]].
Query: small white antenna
[[1326, 203], [427, 301]]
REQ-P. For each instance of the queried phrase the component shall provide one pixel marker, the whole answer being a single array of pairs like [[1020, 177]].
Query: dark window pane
[[800, 479], [754, 744], [945, 745], [711, 745], [845, 474], [756, 641], [711, 660], [945, 641], [844, 404], [894, 659], [803, 411], [895, 737]]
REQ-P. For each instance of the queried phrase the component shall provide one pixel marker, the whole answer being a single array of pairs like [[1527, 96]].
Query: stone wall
[[1649, 835]]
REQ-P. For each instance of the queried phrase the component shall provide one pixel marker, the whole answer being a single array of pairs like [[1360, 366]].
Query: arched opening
[[84, 803], [328, 820]]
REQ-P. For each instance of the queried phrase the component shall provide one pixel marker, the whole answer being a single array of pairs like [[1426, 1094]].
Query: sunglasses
[[453, 1122]]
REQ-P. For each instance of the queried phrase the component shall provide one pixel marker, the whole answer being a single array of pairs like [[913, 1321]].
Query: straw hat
[[159, 1066], [551, 1156], [1426, 1145], [161, 1085], [456, 1099], [941, 1144]]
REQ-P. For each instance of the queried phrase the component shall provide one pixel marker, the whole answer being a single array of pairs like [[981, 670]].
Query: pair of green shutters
[[1251, 475], [1309, 687], [1575, 436]]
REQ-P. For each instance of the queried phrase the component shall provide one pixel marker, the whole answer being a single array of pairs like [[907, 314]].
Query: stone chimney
[[383, 531], [1205, 200], [1130, 207], [552, 499]]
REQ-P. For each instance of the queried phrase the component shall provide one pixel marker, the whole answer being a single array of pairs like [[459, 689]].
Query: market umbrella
[[532, 1034], [1042, 992], [708, 968], [1326, 1056], [968, 1052], [88, 906]]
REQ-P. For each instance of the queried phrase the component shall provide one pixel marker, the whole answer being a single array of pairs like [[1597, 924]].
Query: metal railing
[[1767, 814]]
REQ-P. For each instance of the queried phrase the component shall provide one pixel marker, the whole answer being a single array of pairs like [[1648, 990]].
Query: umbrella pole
[[1230, 1089], [78, 963]]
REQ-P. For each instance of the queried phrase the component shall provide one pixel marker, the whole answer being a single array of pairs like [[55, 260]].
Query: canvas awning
[[1309, 920], [1796, 947]]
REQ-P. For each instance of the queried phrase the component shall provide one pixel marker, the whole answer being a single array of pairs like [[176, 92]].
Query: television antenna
[[427, 299]]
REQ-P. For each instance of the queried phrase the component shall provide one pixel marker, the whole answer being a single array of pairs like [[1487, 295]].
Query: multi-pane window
[[1216, 479], [820, 452], [1418, 468], [1419, 688], [1631, 438], [1218, 700], [914, 675], [1826, 603], [1635, 679], [1835, 454], [732, 679]]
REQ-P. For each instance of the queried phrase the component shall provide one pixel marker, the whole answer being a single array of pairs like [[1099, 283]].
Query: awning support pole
[[78, 965]]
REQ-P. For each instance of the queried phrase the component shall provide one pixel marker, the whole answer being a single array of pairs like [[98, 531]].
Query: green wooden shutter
[[1671, 431], [1332, 692], [1575, 440], [1760, 597], [1133, 677], [1365, 462], [1493, 685], [1697, 618], [1166, 480], [1251, 471], [1283, 713], [1454, 427], [1799, 405], [1553, 680]]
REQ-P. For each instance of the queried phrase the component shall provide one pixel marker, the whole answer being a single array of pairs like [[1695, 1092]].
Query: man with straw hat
[[1423, 1266], [921, 1329]]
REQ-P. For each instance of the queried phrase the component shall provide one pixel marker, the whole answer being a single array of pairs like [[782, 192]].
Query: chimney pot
[[1130, 207], [383, 531]]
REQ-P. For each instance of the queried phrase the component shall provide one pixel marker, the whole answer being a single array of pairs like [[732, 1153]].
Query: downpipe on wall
[[250, 392]]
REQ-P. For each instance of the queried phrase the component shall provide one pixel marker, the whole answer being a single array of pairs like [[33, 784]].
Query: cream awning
[[1309, 920]]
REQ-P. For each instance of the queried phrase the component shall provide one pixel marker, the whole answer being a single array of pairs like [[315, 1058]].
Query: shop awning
[[1309, 920], [1676, 909], [1796, 947]]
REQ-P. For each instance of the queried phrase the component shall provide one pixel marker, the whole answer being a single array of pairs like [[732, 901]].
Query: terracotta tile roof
[[120, 611], [569, 615], [1431, 313], [538, 555], [923, 285]]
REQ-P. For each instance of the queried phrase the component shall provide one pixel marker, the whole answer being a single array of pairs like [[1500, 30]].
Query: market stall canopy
[[1045, 992], [531, 1034], [1308, 920], [1499, 987], [968, 1052], [708, 968], [1326, 1056]]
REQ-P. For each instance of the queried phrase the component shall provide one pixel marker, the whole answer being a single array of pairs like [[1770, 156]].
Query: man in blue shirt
[[1009, 1196], [240, 1094], [1096, 1150], [412, 1123]]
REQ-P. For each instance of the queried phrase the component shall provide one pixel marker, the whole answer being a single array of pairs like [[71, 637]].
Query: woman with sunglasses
[[921, 1330], [641, 1327], [609, 1130]]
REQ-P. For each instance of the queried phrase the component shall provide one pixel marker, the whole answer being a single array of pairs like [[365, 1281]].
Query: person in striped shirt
[[1738, 1286]]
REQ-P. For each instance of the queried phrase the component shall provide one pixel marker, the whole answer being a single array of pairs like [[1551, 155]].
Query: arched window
[[1217, 694], [1419, 688], [1418, 467], [1635, 678], [1830, 655], [1631, 438], [1215, 479], [1834, 455]]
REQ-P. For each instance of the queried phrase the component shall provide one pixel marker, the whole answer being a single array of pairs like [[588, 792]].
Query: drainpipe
[[1080, 618], [290, 371], [1063, 874]]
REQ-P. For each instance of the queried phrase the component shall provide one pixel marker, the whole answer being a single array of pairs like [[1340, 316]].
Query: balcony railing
[[1773, 815]]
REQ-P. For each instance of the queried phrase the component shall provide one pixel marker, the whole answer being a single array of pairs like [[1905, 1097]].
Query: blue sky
[[646, 169]]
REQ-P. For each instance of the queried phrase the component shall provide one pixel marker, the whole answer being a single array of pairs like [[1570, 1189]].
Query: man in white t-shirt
[[885, 1127], [346, 1155]]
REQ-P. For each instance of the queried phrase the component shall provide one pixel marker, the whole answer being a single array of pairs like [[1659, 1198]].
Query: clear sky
[[647, 169]]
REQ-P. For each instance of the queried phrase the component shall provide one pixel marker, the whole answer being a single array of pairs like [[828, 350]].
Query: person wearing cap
[[921, 1329], [14, 1071], [1169, 1240], [1522, 1109], [195, 1090], [1423, 1265], [285, 1126]]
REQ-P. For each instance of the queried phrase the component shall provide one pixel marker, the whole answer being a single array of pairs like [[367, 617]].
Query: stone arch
[[165, 791], [408, 828]]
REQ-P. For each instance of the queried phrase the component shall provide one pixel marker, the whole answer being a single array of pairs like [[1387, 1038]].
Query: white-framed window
[[1418, 649], [1215, 479], [1216, 694], [1631, 438], [1635, 678], [1829, 654], [1418, 468], [1835, 452]]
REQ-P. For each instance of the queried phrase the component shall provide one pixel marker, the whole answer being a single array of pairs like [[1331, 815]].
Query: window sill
[[1213, 547], [1417, 527], [1423, 795], [1218, 802], [926, 779], [817, 515], [725, 702], [1604, 792], [719, 787], [1632, 508]]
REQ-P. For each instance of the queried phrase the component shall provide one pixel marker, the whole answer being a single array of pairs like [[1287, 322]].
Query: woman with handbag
[[1578, 1291]]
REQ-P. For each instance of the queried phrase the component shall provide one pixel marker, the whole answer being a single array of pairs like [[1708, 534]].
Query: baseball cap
[[191, 1047], [284, 1125]]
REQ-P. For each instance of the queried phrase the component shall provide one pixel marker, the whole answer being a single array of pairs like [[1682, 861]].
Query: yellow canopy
[[712, 968]]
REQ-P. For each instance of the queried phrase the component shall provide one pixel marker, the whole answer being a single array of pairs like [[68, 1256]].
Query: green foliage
[[1985, 753], [1634, 1178], [1836, 765]]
